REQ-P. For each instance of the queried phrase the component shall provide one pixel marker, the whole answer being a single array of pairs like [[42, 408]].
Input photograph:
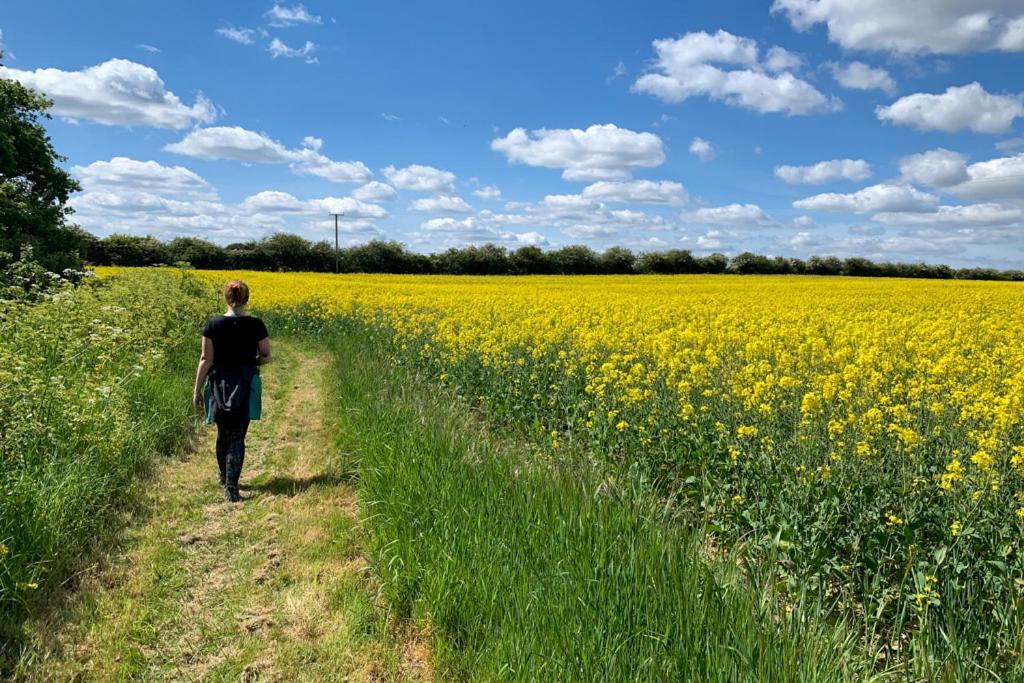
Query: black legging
[[231, 451]]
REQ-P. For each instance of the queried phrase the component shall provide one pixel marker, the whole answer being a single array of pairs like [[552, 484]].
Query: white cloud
[[240, 144], [780, 59], [590, 231], [308, 161], [913, 26], [568, 204], [713, 239], [619, 70], [143, 197], [967, 107], [735, 215], [278, 48], [117, 92], [1001, 178], [956, 216], [245, 36], [469, 223], [351, 207], [489, 193], [530, 239], [885, 197], [387, 116], [825, 172], [601, 152], [474, 229], [1010, 145], [145, 176], [938, 168], [152, 49], [230, 142], [274, 201], [860, 76], [420, 178], [805, 239], [693, 65], [375, 191], [282, 15], [702, 149], [449, 203], [282, 202], [637, 191], [568, 210]]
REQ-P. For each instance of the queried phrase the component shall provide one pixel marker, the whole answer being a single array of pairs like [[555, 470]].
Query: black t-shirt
[[235, 339]]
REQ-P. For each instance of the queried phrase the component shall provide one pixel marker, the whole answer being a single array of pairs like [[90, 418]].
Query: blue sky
[[790, 127]]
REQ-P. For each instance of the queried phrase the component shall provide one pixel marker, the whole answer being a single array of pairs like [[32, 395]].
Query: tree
[[829, 265], [130, 250], [282, 251], [618, 261], [671, 262], [713, 263], [750, 264], [855, 266], [378, 256], [576, 259], [487, 259], [34, 189], [530, 260], [197, 252]]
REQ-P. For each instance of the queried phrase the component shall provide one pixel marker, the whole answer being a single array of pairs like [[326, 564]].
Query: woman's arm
[[205, 363], [263, 351]]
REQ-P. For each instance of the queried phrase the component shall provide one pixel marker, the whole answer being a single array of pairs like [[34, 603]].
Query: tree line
[[286, 252]]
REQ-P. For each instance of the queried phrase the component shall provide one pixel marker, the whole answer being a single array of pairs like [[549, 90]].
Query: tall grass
[[527, 569], [94, 383]]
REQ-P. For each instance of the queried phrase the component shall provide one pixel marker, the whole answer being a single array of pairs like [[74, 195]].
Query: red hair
[[236, 293]]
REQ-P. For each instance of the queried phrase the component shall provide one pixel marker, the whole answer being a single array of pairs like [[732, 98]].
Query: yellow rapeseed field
[[866, 434]]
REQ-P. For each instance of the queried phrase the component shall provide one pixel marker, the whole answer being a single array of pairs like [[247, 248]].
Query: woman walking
[[234, 346]]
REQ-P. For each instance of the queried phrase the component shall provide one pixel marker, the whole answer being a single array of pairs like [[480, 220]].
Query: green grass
[[533, 570], [94, 385]]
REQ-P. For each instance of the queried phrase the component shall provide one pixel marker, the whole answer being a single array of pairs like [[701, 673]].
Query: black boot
[[231, 494]]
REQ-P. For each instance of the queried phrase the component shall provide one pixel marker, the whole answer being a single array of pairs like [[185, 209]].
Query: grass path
[[276, 588]]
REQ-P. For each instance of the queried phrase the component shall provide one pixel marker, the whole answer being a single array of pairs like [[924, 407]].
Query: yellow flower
[[982, 459], [892, 520], [954, 473], [954, 528]]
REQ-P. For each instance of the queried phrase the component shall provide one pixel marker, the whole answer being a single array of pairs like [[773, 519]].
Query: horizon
[[709, 129]]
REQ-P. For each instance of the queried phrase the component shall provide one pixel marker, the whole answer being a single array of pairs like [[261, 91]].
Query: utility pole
[[336, 249]]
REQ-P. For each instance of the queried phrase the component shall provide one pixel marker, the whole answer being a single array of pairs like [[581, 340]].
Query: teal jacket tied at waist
[[255, 398]]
